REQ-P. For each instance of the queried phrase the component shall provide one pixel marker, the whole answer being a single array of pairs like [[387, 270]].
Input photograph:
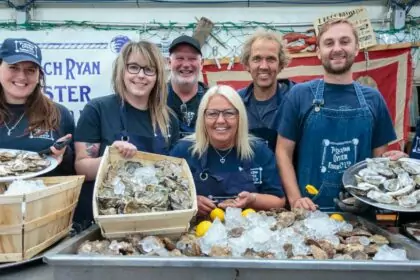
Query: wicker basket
[[169, 223], [48, 217]]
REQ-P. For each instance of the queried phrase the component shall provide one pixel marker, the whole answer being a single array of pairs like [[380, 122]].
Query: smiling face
[[138, 86], [186, 64], [18, 80], [337, 49], [221, 130], [264, 64]]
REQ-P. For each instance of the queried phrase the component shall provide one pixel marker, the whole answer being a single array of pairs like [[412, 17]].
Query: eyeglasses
[[134, 68], [214, 113]]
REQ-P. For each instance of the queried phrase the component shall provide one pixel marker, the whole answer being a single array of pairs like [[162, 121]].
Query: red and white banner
[[387, 70]]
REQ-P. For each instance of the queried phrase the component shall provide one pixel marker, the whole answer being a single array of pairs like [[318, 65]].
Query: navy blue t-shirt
[[262, 121], [263, 165], [100, 122], [298, 103], [22, 139]]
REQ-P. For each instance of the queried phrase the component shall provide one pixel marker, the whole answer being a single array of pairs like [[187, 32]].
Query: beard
[[178, 79], [329, 68]]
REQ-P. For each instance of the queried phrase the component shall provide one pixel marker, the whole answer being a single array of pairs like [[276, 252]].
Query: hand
[[394, 155], [243, 200], [305, 203], [58, 154], [205, 205], [357, 208], [126, 149]]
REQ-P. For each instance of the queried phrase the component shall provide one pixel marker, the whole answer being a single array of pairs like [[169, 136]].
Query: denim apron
[[156, 144], [415, 147], [332, 140], [223, 184]]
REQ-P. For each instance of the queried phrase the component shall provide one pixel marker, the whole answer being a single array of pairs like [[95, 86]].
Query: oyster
[[379, 239], [4, 171], [380, 197], [362, 188], [7, 155], [150, 244], [359, 255], [167, 168], [416, 195], [374, 179], [411, 167], [318, 253], [18, 166], [133, 207], [392, 185], [180, 200], [285, 220], [407, 201], [219, 251], [94, 247], [29, 156], [367, 172], [188, 245]]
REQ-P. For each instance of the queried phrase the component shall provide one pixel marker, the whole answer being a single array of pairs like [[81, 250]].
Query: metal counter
[[68, 265]]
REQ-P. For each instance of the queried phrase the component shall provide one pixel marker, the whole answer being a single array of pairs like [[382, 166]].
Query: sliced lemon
[[202, 228], [217, 213], [337, 217], [247, 211], [311, 190]]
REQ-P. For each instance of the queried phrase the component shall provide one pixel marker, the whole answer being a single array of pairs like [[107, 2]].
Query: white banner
[[77, 63]]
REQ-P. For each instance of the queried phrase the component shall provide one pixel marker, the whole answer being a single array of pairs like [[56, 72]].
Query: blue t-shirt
[[21, 139], [263, 165], [297, 105], [100, 122]]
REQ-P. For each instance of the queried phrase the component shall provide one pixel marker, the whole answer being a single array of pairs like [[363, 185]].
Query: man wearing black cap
[[184, 89]]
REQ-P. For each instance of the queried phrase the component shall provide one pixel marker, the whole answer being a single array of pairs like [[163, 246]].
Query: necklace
[[9, 130], [222, 158]]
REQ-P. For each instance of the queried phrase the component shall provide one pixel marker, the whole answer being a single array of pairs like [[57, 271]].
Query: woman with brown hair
[[135, 118], [29, 120]]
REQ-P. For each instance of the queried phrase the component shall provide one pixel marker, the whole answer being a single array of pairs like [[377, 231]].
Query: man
[[184, 89], [327, 125], [264, 56]]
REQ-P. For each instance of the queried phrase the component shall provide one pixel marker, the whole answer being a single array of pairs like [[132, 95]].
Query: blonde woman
[[135, 118], [230, 167]]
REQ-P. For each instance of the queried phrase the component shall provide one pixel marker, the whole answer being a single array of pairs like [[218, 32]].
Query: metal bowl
[[349, 179]]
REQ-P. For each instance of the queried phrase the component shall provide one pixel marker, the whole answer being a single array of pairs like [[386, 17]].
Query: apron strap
[[123, 119]]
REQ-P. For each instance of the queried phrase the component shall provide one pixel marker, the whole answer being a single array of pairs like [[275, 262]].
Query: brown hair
[[283, 55], [334, 21], [41, 112], [159, 110]]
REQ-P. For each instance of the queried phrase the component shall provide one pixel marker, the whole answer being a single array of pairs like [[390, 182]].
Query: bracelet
[[254, 197]]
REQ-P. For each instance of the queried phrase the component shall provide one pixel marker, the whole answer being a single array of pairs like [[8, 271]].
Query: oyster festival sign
[[359, 18], [384, 67]]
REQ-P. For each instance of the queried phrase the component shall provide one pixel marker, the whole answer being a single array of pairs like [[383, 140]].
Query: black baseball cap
[[13, 51], [187, 40]]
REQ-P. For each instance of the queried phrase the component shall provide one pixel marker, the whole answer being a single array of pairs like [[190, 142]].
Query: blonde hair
[[262, 34], [334, 21], [201, 139], [158, 109]]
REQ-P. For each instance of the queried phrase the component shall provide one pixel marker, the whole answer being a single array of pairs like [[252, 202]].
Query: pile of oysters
[[390, 182], [355, 244], [14, 163], [133, 187]]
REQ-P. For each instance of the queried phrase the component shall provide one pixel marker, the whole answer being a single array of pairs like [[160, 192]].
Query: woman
[[29, 120], [135, 118], [225, 161]]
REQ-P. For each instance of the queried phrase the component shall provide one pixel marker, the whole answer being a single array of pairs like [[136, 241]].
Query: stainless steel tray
[[349, 179], [68, 265]]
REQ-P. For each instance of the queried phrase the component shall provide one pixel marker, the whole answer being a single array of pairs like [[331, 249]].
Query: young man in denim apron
[[184, 89], [327, 125], [264, 56]]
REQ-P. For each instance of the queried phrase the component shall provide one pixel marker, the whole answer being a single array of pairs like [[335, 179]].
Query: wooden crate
[[155, 223], [48, 217]]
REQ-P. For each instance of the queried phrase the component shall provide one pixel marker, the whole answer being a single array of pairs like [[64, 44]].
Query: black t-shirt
[[21, 139], [186, 112], [100, 122]]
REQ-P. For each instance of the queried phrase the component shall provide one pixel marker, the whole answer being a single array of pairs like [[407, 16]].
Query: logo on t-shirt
[[39, 134], [256, 174], [416, 145]]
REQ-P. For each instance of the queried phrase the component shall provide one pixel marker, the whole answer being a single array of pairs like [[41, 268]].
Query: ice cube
[[216, 235], [386, 253]]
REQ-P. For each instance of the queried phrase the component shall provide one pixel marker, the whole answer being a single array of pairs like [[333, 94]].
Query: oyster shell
[[285, 219], [318, 253], [7, 155], [379, 239], [407, 201], [380, 197], [180, 200], [219, 251]]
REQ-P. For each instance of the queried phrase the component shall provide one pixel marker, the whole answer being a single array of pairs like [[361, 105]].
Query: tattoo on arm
[[92, 149]]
